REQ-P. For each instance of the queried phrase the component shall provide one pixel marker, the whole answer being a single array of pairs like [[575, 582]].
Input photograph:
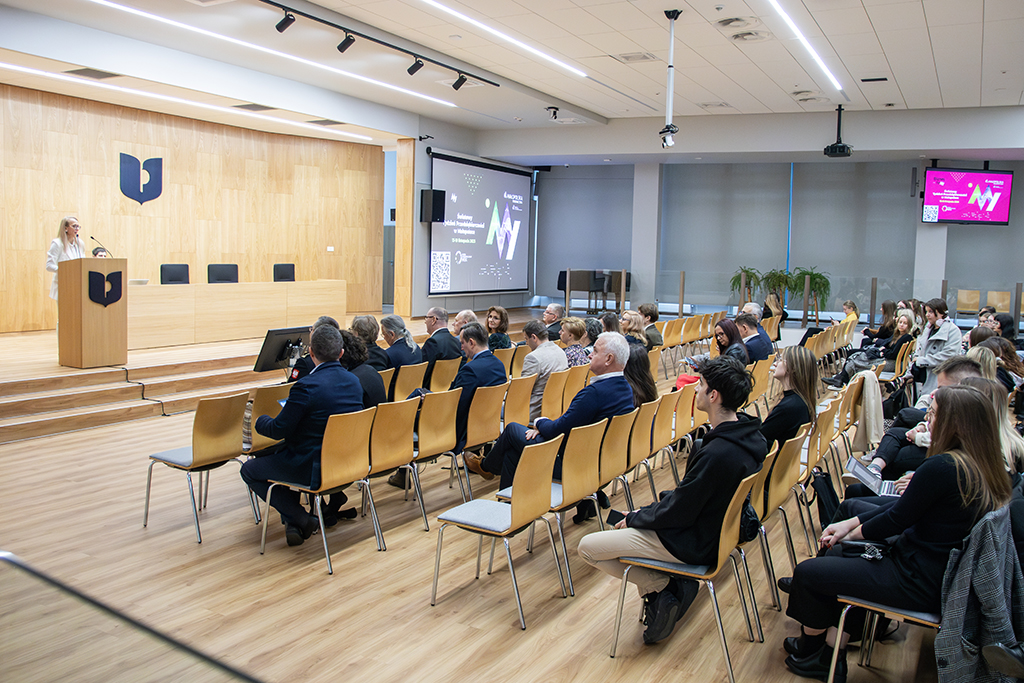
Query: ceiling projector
[[838, 149]]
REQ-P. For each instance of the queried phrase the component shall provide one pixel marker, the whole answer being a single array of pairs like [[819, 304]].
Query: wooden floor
[[73, 507]]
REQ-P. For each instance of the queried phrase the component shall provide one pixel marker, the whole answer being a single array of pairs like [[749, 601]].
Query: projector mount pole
[[670, 129], [839, 124]]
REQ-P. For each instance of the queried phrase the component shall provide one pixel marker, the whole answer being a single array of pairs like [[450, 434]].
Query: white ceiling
[[934, 54]]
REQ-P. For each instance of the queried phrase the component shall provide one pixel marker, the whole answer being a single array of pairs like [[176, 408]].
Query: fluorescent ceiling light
[[507, 38], [803, 40], [266, 50], [178, 100]]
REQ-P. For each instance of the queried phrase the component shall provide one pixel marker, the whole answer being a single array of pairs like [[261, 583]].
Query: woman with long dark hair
[[497, 328], [873, 355], [638, 374], [796, 371], [886, 329]]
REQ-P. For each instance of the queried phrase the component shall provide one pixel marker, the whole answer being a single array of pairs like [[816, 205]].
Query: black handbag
[[920, 374], [750, 523]]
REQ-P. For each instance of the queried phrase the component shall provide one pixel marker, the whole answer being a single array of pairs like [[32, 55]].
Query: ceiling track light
[[283, 25], [416, 66], [347, 43], [459, 82]]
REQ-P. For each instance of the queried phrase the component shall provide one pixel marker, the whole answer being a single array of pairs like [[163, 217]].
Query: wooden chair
[[639, 449], [615, 449], [968, 301], [386, 376], [443, 374], [505, 356], [757, 495], [818, 448], [409, 379], [517, 400], [551, 401], [849, 414], [661, 433], [483, 425], [344, 460], [727, 547], [436, 436], [654, 356], [530, 500], [781, 482], [574, 382], [876, 610], [902, 362], [216, 440], [391, 446], [266, 402], [660, 327], [517, 360], [683, 426]]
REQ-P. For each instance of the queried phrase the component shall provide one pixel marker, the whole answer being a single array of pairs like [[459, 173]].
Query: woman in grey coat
[[941, 339]]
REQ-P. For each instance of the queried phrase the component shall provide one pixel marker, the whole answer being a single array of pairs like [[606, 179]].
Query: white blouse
[[57, 253]]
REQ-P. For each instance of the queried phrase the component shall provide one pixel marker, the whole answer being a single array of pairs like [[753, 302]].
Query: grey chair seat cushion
[[556, 494], [487, 515], [671, 567], [182, 457]]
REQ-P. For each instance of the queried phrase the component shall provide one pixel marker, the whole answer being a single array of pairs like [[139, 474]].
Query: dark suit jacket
[[303, 366], [758, 348], [329, 390], [483, 371], [596, 401], [555, 330], [378, 357], [442, 345], [374, 391], [400, 354], [764, 336]]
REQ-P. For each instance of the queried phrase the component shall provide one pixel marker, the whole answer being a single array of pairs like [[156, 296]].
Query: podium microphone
[[101, 244]]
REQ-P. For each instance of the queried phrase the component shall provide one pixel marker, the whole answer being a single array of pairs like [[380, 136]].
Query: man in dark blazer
[[482, 370], [757, 347], [441, 344], [755, 310], [304, 365], [608, 394], [328, 390], [553, 315]]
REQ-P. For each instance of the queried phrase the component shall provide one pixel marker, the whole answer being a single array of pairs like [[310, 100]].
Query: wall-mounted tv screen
[[483, 243], [956, 195]]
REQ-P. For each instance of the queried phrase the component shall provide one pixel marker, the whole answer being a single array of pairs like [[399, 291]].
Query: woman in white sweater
[[66, 246], [940, 340]]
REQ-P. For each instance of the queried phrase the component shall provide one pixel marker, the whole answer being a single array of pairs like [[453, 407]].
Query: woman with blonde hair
[[66, 246], [633, 329], [572, 332], [1011, 441], [986, 359], [877, 354]]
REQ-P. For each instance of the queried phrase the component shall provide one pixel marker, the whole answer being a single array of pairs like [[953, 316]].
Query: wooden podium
[[92, 312]]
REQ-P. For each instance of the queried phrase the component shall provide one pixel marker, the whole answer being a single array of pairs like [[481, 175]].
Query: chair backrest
[[640, 435], [699, 416], [284, 272], [968, 300], [787, 470], [615, 446], [517, 400], [391, 438], [757, 490], [660, 326], [902, 360], [505, 356], [690, 330], [386, 375], [345, 454], [684, 411], [581, 462], [267, 402], [484, 421], [574, 382], [771, 326], [654, 356], [551, 400], [443, 374], [531, 485], [999, 300], [518, 358], [221, 272], [674, 331], [849, 410], [410, 378], [437, 423], [174, 274], [826, 429], [217, 429], [730, 537], [662, 431]]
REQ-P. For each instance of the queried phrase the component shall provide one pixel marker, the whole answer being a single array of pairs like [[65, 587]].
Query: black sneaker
[[685, 591], [660, 615]]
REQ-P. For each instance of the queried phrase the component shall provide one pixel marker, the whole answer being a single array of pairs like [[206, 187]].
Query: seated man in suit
[[755, 310], [328, 390], [462, 318], [440, 345], [685, 524], [482, 370], [304, 365], [757, 348], [650, 314], [608, 394], [553, 315], [544, 358]]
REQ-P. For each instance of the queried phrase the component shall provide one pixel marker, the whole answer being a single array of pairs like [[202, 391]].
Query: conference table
[[172, 315]]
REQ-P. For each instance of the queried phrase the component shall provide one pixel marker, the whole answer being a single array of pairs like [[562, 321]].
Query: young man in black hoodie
[[685, 525]]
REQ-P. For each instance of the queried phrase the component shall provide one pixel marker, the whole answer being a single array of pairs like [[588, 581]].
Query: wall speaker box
[[432, 206]]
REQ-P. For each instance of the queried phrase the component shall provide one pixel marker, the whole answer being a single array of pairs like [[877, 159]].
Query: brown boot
[[476, 464]]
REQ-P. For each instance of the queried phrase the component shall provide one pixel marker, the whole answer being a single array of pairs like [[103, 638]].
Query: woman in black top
[[638, 374], [354, 360], [366, 328], [885, 330], [797, 372], [963, 479], [873, 355]]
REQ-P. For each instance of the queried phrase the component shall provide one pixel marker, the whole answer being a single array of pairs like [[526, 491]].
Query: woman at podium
[[66, 246]]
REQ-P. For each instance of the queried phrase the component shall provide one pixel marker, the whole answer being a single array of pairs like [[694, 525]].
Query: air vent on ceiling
[[634, 57], [736, 23], [750, 36], [568, 121], [714, 105], [813, 100], [92, 73], [325, 122], [805, 93], [880, 79], [254, 107], [470, 83]]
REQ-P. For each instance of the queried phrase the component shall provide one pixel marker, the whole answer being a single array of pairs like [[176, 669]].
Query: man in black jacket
[[685, 525], [440, 345]]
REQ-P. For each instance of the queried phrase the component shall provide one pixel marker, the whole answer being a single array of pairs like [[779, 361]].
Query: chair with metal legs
[[876, 610], [574, 383], [639, 449], [781, 482], [391, 443], [435, 437], [483, 425], [216, 440], [442, 374], [530, 501], [727, 549], [756, 497], [517, 400], [408, 379], [661, 435]]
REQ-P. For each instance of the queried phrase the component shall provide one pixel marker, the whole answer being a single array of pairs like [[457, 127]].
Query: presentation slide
[[483, 243], [962, 196]]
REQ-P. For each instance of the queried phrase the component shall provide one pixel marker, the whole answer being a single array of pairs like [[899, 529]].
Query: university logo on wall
[[131, 178], [98, 291]]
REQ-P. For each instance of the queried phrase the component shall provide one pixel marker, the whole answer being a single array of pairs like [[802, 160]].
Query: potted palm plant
[[776, 281], [820, 288], [753, 283]]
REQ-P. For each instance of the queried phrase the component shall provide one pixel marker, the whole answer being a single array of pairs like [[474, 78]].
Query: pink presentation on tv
[[966, 196]]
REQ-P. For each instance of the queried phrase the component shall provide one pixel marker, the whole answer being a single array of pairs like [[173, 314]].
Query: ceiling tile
[[577, 22], [790, 76], [494, 9], [765, 51], [953, 12], [405, 14], [896, 16], [837, 22], [752, 79], [854, 44], [1002, 77], [532, 27], [544, 6], [700, 35], [440, 38], [572, 47], [649, 39], [612, 43], [958, 63], [724, 54], [998, 10], [900, 42], [868, 66], [624, 17], [499, 54], [916, 77]]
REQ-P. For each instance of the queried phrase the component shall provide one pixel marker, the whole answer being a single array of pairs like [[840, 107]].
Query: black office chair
[[284, 272], [174, 273], [221, 272]]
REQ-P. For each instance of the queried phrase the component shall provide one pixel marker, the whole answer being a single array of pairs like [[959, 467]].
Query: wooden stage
[[73, 508]]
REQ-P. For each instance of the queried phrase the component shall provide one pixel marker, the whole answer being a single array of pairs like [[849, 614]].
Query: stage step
[[61, 421], [183, 402], [160, 387], [139, 374], [65, 399], [73, 380]]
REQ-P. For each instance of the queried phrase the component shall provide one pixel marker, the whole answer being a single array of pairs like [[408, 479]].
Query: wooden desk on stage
[[171, 315]]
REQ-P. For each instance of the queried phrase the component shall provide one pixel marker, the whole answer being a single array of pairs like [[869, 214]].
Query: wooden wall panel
[[405, 203], [230, 195]]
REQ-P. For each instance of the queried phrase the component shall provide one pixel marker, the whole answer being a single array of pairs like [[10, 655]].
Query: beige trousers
[[604, 548]]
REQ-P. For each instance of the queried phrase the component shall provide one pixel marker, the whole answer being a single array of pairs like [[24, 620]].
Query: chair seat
[[485, 515], [671, 567], [505, 494], [886, 376], [924, 618], [179, 457]]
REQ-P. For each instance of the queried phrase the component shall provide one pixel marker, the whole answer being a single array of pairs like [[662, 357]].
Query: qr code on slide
[[440, 271], [931, 214]]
